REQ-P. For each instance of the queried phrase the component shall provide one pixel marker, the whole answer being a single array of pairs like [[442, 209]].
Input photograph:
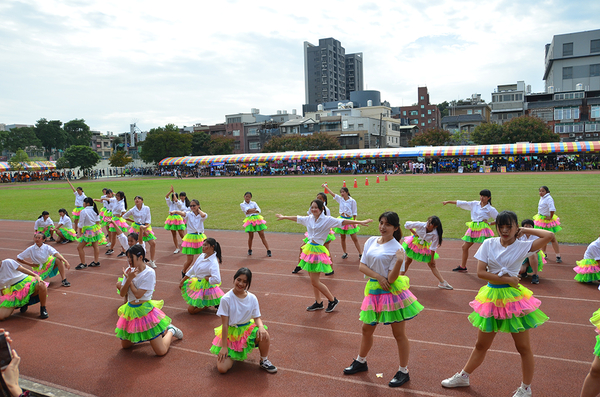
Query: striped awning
[[421, 151], [30, 166]]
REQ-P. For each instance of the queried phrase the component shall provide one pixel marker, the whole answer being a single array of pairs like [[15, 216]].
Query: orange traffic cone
[[386, 177], [377, 179], [344, 183], [366, 181], [355, 184]]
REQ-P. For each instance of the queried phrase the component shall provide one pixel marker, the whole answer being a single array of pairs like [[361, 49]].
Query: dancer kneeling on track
[[140, 319], [387, 297], [45, 225], [23, 288], [64, 230], [534, 263], [503, 304], [46, 261], [242, 328], [588, 269], [315, 258], [200, 286]]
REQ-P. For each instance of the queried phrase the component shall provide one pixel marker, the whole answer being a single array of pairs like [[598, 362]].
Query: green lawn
[[413, 197]]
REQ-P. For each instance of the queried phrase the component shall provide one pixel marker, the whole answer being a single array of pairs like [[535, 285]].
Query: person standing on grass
[[64, 230], [141, 318], [478, 229], [253, 222], [90, 232], [242, 329], [503, 305], [315, 257], [387, 297], [348, 210], [79, 196], [21, 288], [192, 242], [175, 222], [422, 246], [142, 217], [45, 261], [546, 218]]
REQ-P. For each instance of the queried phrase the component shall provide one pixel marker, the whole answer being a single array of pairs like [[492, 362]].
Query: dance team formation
[[504, 304]]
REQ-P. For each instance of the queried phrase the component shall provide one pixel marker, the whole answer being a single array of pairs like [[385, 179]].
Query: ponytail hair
[[43, 213], [323, 197], [90, 202], [136, 250], [174, 197], [64, 211], [245, 271], [122, 195], [486, 193], [345, 189], [435, 221], [393, 219], [187, 200], [216, 246]]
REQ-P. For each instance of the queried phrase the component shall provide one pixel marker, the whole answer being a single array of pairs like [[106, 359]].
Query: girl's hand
[[385, 285], [262, 335], [444, 202], [324, 185], [222, 355], [181, 283], [513, 281], [131, 273], [520, 232], [67, 265], [38, 278], [400, 255], [279, 217]]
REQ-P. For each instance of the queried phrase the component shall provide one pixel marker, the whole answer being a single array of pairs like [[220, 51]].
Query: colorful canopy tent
[[420, 151], [30, 166]]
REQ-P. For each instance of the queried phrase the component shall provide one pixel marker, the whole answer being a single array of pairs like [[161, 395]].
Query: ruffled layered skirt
[[417, 249], [254, 223], [199, 293], [174, 222], [192, 243], [142, 322], [552, 225], [135, 228], [381, 306], [315, 259], [477, 232], [347, 229], [241, 339], [587, 271], [18, 294]]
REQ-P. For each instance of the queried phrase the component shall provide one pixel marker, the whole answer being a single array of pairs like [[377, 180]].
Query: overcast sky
[[186, 62]]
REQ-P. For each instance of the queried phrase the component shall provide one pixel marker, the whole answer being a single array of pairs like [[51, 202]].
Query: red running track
[[76, 348]]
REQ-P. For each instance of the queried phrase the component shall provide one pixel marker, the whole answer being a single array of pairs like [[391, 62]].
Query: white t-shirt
[[478, 213], [79, 199], [182, 206], [173, 205], [38, 255], [239, 311], [195, 223], [421, 229], [503, 260], [40, 222], [380, 258], [140, 216], [65, 221], [247, 206], [87, 217], [318, 229], [146, 280], [593, 250], [9, 274], [546, 204], [347, 207], [117, 207], [104, 203], [204, 267]]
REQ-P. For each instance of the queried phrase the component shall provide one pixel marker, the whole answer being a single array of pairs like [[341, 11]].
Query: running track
[[76, 349]]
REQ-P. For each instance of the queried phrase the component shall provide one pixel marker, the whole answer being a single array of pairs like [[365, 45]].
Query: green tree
[[81, 156], [17, 160], [200, 143], [221, 145], [78, 132], [164, 142], [433, 137], [118, 143], [51, 134], [21, 138], [528, 129], [488, 134], [3, 138], [319, 141], [443, 107], [322, 141], [460, 137], [62, 163], [119, 158]]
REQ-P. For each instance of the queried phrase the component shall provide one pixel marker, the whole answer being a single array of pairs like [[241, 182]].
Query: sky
[[149, 62]]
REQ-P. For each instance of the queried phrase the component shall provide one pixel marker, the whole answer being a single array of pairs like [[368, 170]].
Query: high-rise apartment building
[[329, 74]]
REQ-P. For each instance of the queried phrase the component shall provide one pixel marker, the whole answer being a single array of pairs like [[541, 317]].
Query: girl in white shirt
[[588, 269], [348, 210], [503, 305], [478, 229], [20, 288], [315, 257], [254, 222], [174, 222], [64, 230], [141, 318], [106, 212], [192, 242], [79, 196], [242, 329], [591, 385], [44, 260], [387, 297], [200, 286], [142, 217], [422, 245], [45, 224], [534, 263], [118, 207], [90, 232], [546, 218], [104, 204]]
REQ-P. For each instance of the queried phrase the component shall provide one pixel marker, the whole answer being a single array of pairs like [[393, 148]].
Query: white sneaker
[[152, 264], [108, 245], [176, 331], [521, 392], [267, 366], [445, 285], [177, 251], [456, 381]]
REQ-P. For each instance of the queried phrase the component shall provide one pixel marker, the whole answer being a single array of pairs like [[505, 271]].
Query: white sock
[[464, 374], [172, 330], [361, 360], [526, 387], [402, 369]]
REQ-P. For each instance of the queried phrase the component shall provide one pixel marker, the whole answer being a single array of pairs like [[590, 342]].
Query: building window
[[595, 70], [569, 95], [422, 106], [422, 124], [254, 145], [428, 121], [422, 97], [423, 115], [236, 132], [567, 49], [252, 132], [568, 128], [478, 111], [566, 113], [469, 111], [595, 112], [428, 111], [414, 112], [361, 126], [592, 127], [568, 73], [236, 145], [404, 112], [594, 46]]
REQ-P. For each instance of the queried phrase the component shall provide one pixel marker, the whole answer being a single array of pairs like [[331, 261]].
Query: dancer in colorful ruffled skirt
[[142, 218], [23, 289], [45, 261], [64, 230], [588, 269], [79, 196], [253, 222], [45, 224], [90, 233], [348, 210], [194, 238], [175, 222], [591, 385], [534, 263], [546, 218]]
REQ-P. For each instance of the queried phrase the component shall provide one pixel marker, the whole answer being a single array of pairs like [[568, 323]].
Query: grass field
[[413, 197]]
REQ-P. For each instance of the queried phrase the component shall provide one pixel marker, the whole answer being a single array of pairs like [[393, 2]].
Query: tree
[[433, 137], [81, 156], [3, 138], [119, 158], [528, 129], [17, 160], [297, 143], [21, 138], [460, 137], [62, 163], [78, 132], [221, 145], [118, 144], [322, 142], [165, 142], [51, 134], [443, 107], [200, 143], [488, 134]]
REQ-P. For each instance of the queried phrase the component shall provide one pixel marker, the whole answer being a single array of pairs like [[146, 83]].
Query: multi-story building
[[508, 102], [573, 59], [465, 115], [329, 74], [102, 144], [424, 115]]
